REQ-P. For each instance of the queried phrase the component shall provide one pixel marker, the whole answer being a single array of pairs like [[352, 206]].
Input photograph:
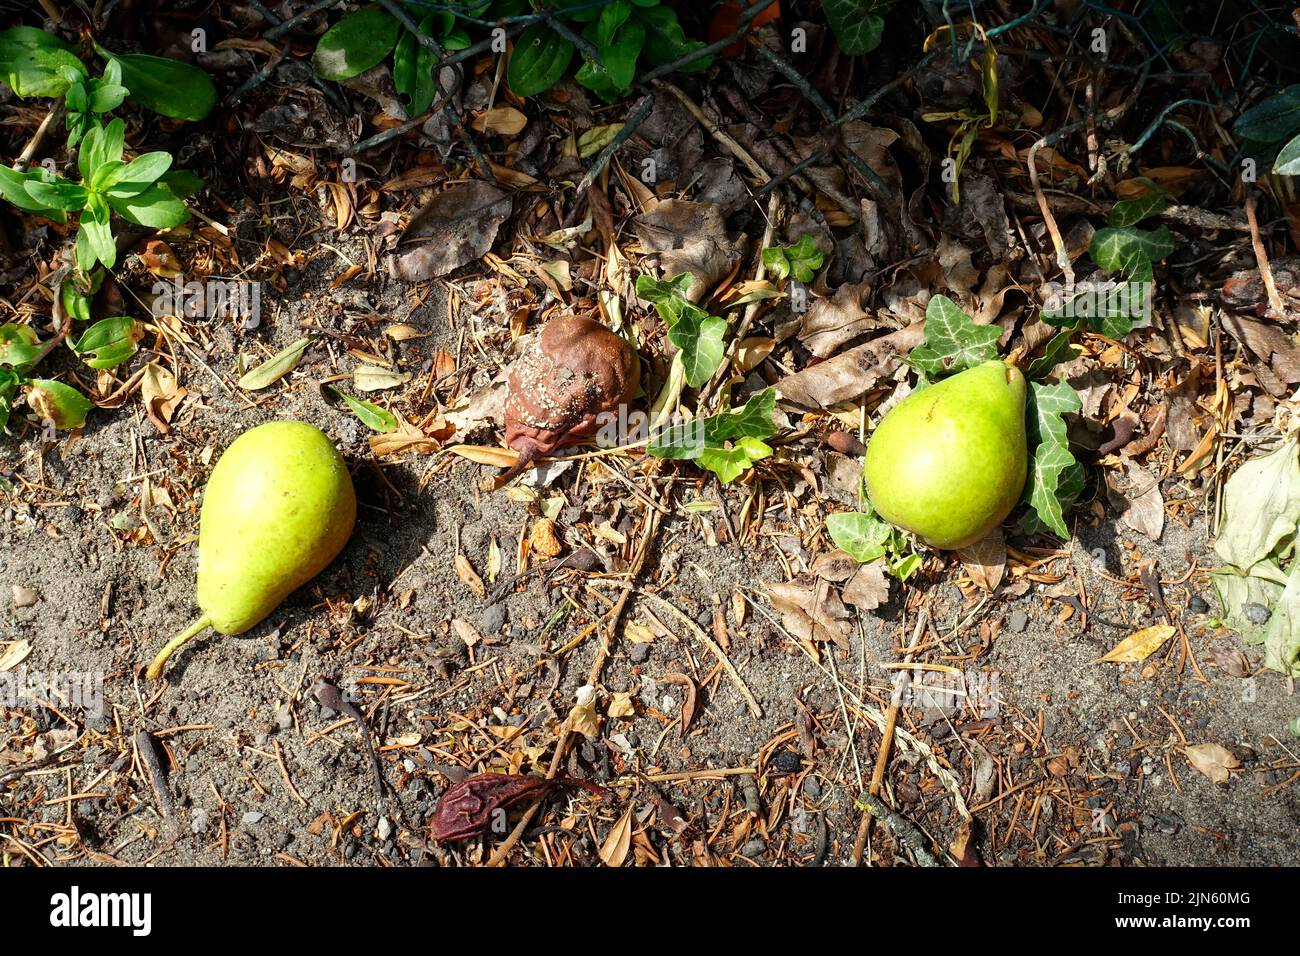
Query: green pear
[[279, 507], [948, 463]]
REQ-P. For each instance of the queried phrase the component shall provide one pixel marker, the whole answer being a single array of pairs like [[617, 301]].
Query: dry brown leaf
[[1213, 760], [160, 395], [986, 560], [1138, 497], [502, 120], [829, 323], [811, 610], [750, 352], [621, 705], [160, 260], [1139, 645], [868, 588], [465, 571], [583, 718], [455, 227], [846, 376], [486, 455], [614, 850], [407, 438], [689, 237], [835, 566], [688, 705]]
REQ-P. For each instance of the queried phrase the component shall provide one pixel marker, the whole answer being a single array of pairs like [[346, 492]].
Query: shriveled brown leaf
[[160, 394], [1213, 760], [688, 705], [542, 540], [455, 227], [689, 237], [985, 561], [160, 260], [829, 323], [465, 571], [846, 376], [868, 588], [835, 566], [1138, 497], [812, 610]]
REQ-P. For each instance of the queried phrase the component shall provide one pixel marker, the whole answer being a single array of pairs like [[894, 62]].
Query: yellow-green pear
[[948, 463], [279, 507]]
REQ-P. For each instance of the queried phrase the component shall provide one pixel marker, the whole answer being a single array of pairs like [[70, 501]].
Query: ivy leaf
[[802, 260], [730, 463], [858, 25], [1130, 212], [1059, 349], [668, 296], [753, 420], [953, 342], [1047, 435], [699, 337], [1130, 251], [727, 443], [864, 537]]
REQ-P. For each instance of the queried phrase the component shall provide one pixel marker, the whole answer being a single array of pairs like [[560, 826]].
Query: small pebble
[[639, 653], [1017, 620], [1256, 613], [753, 848], [786, 761], [252, 817], [1198, 605], [385, 829], [491, 619], [24, 596]]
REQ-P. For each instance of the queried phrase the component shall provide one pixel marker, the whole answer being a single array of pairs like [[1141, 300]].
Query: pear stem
[[1015, 358], [155, 668]]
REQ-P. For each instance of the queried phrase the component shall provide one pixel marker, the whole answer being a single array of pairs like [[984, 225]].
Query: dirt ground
[[720, 736], [1076, 762]]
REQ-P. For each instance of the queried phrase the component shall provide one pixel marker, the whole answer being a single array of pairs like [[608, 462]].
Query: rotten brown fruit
[[559, 389]]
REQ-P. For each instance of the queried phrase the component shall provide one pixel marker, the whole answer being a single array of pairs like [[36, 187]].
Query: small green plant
[[800, 261], [1270, 132], [143, 190], [623, 33], [858, 25], [364, 39], [135, 190], [729, 442]]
